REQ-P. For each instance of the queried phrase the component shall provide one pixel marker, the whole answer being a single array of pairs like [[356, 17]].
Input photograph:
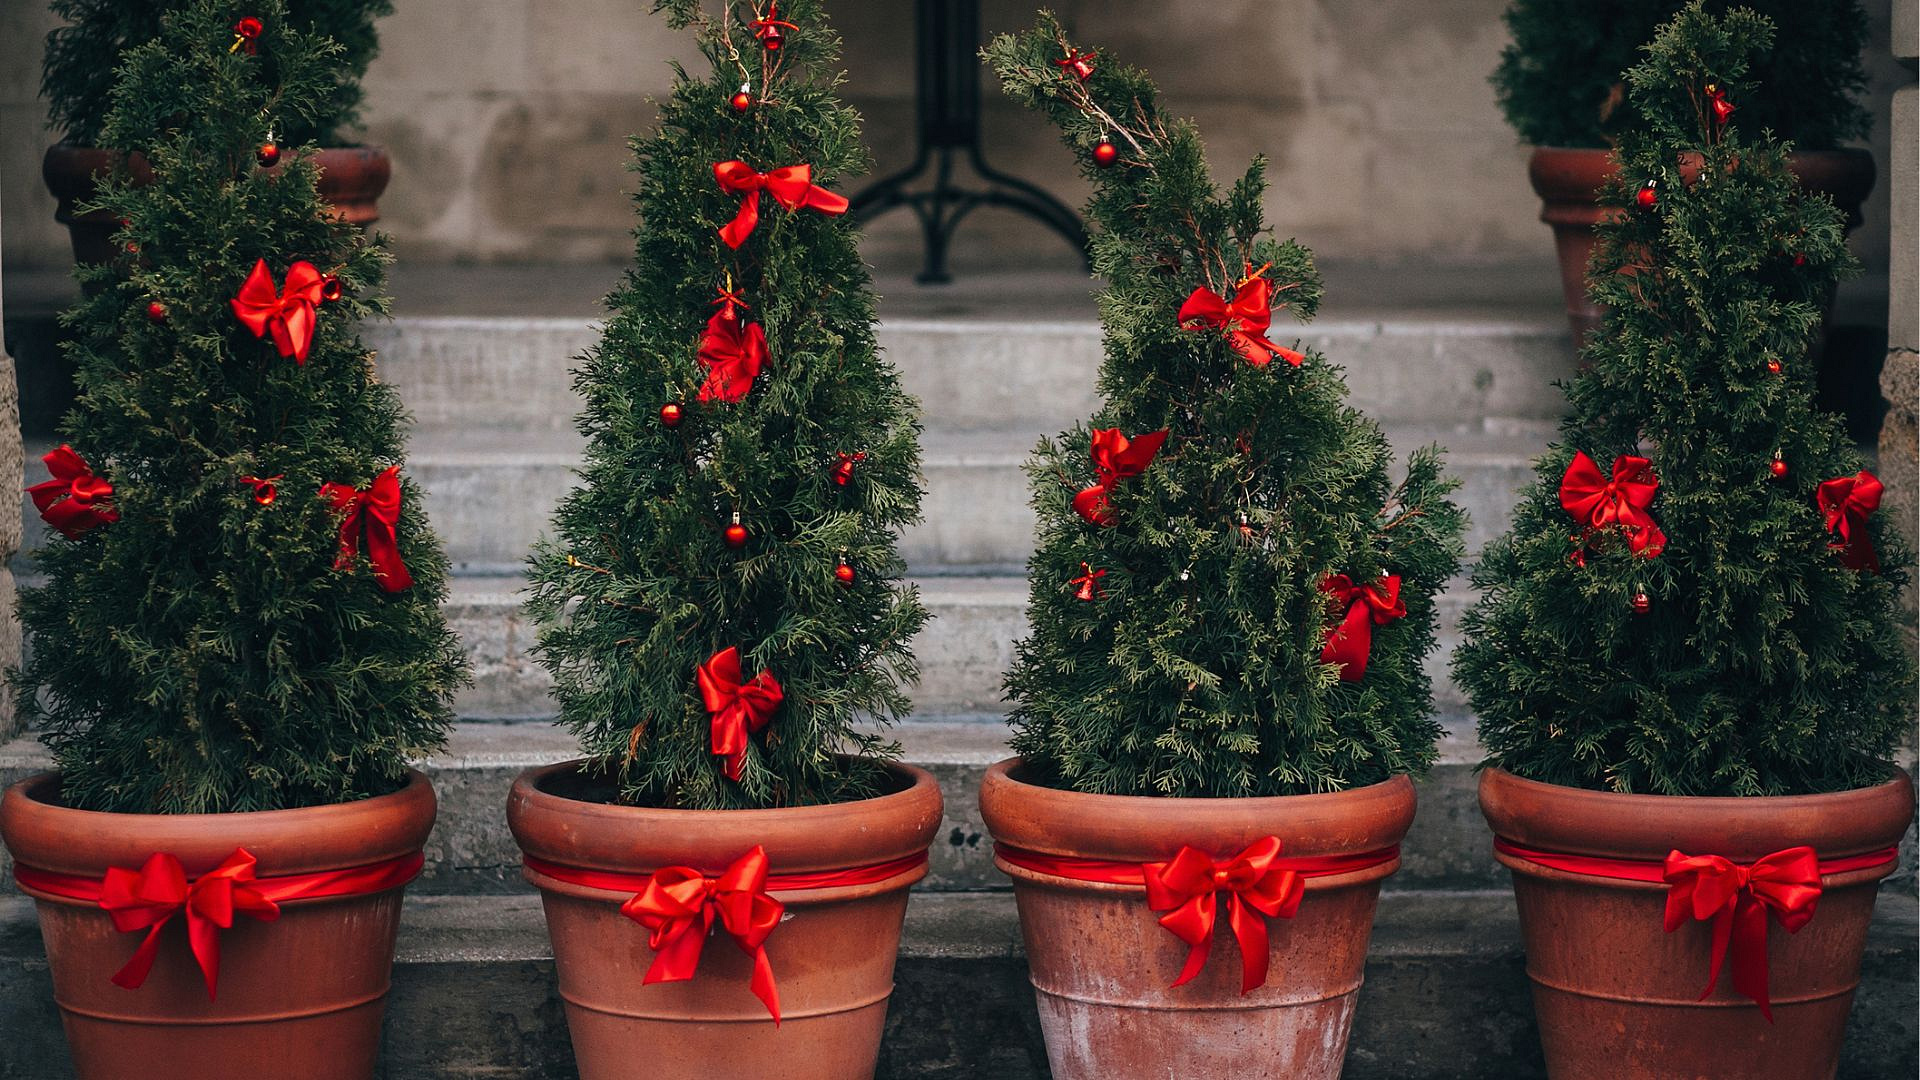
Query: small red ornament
[[742, 99], [1087, 585], [769, 30], [1799, 259], [132, 248], [246, 35], [736, 533], [268, 155], [1641, 604], [1773, 365], [843, 469], [1105, 153], [670, 414], [156, 311], [330, 288], [1779, 467], [1077, 62], [1647, 196], [843, 573], [1722, 108], [264, 491]]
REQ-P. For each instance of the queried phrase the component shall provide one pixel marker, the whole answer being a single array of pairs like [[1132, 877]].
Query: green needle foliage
[[1195, 667], [638, 584], [201, 653], [82, 57], [1559, 79], [1762, 665]]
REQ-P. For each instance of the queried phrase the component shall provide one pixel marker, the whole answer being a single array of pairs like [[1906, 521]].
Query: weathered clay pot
[[351, 180], [1618, 998], [832, 955], [1568, 179], [300, 998], [1100, 961]]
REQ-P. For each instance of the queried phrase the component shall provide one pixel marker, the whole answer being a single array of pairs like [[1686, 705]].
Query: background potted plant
[[1221, 695], [77, 80], [1687, 660], [1561, 87], [237, 644], [721, 602]]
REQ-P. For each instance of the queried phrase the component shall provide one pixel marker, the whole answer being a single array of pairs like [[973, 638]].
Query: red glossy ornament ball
[[268, 155], [330, 288], [843, 574], [736, 535], [1799, 259], [1773, 366], [670, 414], [1647, 196], [1779, 468], [156, 311], [741, 101], [1641, 605], [1105, 153], [133, 248]]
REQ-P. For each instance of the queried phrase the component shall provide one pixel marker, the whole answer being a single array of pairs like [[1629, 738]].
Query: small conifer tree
[[1229, 596], [721, 600], [1695, 597], [242, 611]]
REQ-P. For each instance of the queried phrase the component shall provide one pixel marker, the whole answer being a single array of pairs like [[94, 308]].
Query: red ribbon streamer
[[1621, 502], [1367, 606], [1244, 320], [1735, 898], [738, 710], [791, 187], [1115, 458], [374, 512], [733, 352], [148, 898], [75, 500], [1846, 501], [288, 316], [679, 905], [1259, 885]]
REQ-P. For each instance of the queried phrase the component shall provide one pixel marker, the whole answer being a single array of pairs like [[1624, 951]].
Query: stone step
[[1445, 994]]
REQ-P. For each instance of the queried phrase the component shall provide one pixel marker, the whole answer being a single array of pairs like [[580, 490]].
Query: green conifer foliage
[[1193, 664], [82, 57], [639, 584], [201, 653], [1763, 663]]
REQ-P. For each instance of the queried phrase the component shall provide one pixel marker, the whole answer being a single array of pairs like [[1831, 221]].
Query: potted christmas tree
[[77, 79], [237, 644], [1221, 695], [1560, 85], [721, 601], [1687, 661]]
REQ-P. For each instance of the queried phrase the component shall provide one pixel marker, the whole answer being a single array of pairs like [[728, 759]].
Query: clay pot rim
[[1555, 817], [1576, 173], [1141, 828]]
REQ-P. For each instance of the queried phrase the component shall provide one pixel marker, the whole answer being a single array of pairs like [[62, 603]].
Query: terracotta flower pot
[[351, 180], [299, 998], [1568, 179], [1101, 962], [831, 954], [1618, 997]]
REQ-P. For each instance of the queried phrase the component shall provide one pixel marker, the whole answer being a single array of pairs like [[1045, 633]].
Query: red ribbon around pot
[[1258, 884], [1598, 502], [1737, 899], [1115, 458], [149, 898], [738, 709], [1364, 607], [733, 351], [1846, 501], [374, 513], [1244, 319], [791, 187], [75, 500], [289, 315]]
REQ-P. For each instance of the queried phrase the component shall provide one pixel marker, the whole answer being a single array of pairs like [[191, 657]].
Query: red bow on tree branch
[[288, 316], [1737, 900], [148, 898], [1366, 606], [679, 906], [1244, 320], [375, 513], [1622, 502], [1188, 890], [1846, 501], [1115, 458], [791, 187], [738, 710], [733, 352], [75, 500]]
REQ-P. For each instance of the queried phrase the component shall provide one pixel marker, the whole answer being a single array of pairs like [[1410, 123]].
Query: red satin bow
[[1115, 458], [1621, 502], [733, 352], [148, 898], [75, 500], [1245, 320], [1737, 899], [288, 316], [738, 710], [1846, 501], [679, 906], [1188, 890], [374, 512], [1079, 63], [1367, 606], [791, 187]]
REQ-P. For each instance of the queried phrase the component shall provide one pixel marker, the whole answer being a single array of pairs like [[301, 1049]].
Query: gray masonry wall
[[507, 121]]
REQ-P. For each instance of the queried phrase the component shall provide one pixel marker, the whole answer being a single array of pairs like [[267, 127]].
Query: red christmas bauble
[[1773, 365], [1647, 196], [771, 38], [1778, 467], [1799, 259], [741, 101], [1641, 605], [736, 535], [156, 311], [1105, 153], [133, 248], [330, 288], [670, 414], [268, 155], [843, 574]]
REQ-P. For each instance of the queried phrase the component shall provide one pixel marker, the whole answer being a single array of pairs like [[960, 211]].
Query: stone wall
[[507, 121], [10, 480], [1900, 378]]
